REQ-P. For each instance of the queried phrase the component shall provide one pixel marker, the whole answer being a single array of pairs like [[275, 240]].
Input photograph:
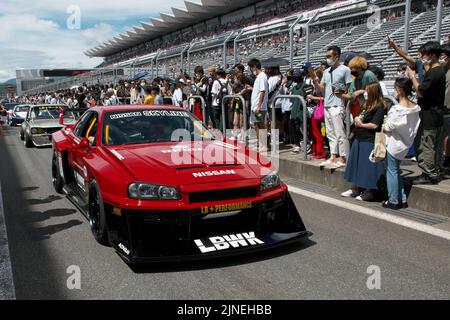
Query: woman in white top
[[401, 128]]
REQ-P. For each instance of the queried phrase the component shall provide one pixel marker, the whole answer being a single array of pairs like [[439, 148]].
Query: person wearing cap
[[334, 84]]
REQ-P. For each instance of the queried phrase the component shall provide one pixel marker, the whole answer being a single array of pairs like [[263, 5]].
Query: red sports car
[[156, 185]]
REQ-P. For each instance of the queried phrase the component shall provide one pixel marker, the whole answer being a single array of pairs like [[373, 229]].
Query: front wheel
[[57, 180], [97, 218], [28, 142]]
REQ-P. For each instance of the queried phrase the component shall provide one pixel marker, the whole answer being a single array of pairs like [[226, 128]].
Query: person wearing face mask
[[363, 77], [366, 176], [401, 127], [445, 61], [410, 60], [431, 93], [335, 81]]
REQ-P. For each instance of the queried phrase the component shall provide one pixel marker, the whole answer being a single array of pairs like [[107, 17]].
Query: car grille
[[52, 130], [226, 194]]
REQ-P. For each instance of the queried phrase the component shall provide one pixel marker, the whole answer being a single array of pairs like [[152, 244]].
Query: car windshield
[[21, 109], [151, 126], [40, 113]]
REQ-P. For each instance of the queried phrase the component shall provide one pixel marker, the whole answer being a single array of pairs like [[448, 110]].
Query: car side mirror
[[84, 143]]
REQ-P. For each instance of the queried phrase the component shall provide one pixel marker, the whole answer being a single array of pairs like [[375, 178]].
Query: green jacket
[[297, 110]]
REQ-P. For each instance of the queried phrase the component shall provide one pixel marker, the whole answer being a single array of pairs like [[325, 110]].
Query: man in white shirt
[[178, 94], [259, 100]]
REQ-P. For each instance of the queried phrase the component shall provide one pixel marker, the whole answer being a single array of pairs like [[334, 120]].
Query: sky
[[43, 33]]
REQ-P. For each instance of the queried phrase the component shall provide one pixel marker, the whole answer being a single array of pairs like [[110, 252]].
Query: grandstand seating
[[346, 29]]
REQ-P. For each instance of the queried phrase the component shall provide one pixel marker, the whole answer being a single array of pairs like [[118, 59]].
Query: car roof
[[121, 108]]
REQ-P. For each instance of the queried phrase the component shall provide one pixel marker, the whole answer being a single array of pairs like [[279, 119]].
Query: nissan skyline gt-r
[[43, 120], [156, 185], [17, 115]]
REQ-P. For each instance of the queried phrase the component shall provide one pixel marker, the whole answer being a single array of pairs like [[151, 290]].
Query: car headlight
[[34, 131], [147, 191], [270, 181]]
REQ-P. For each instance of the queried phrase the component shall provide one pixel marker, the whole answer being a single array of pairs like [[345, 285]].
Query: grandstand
[[213, 32]]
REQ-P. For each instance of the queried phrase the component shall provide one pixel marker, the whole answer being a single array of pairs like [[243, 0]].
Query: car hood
[[206, 162], [44, 123]]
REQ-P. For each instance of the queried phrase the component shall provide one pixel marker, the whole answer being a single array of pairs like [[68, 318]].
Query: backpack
[[222, 93]]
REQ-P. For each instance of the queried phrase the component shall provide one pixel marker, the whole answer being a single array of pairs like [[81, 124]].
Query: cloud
[[107, 10], [34, 43], [35, 35]]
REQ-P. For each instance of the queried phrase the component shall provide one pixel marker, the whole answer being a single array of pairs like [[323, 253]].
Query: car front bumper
[[42, 140], [148, 237]]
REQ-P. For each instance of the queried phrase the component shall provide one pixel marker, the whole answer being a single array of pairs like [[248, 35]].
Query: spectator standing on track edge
[[335, 82], [259, 100]]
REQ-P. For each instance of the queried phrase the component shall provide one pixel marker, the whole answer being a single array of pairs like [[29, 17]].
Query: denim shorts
[[261, 118]]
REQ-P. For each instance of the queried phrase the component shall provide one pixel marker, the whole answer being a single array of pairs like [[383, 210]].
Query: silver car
[[41, 121]]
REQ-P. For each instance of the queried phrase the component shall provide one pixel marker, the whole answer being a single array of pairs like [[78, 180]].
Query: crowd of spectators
[[417, 125]]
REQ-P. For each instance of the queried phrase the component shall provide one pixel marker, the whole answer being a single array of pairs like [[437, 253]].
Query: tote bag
[[319, 113], [379, 151]]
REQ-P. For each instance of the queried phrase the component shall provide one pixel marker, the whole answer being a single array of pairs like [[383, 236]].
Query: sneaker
[[392, 206], [349, 194], [295, 150], [365, 196], [340, 164], [327, 163]]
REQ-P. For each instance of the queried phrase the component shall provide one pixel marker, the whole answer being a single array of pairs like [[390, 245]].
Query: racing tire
[[28, 142], [58, 182], [96, 214]]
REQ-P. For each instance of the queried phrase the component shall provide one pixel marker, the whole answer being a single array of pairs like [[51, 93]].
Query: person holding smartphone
[[335, 82]]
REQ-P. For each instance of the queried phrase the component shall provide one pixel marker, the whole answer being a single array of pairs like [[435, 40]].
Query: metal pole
[[244, 114], [203, 103], [439, 20], [291, 41], [182, 57], [305, 124], [308, 36], [235, 46], [156, 65], [225, 50], [152, 67], [189, 58], [407, 23]]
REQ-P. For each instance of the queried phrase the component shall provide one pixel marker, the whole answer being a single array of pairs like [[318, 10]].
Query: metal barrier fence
[[274, 137], [244, 114], [172, 101], [203, 107], [307, 21]]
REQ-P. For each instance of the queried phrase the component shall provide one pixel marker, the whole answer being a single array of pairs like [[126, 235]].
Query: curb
[[421, 198]]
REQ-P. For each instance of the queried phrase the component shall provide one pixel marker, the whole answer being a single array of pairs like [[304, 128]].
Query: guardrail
[[274, 137], [244, 114], [203, 106]]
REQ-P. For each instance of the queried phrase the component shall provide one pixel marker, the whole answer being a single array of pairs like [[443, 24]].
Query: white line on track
[[372, 213], [7, 291]]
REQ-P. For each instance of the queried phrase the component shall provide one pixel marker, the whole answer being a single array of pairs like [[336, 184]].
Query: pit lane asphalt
[[47, 235]]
